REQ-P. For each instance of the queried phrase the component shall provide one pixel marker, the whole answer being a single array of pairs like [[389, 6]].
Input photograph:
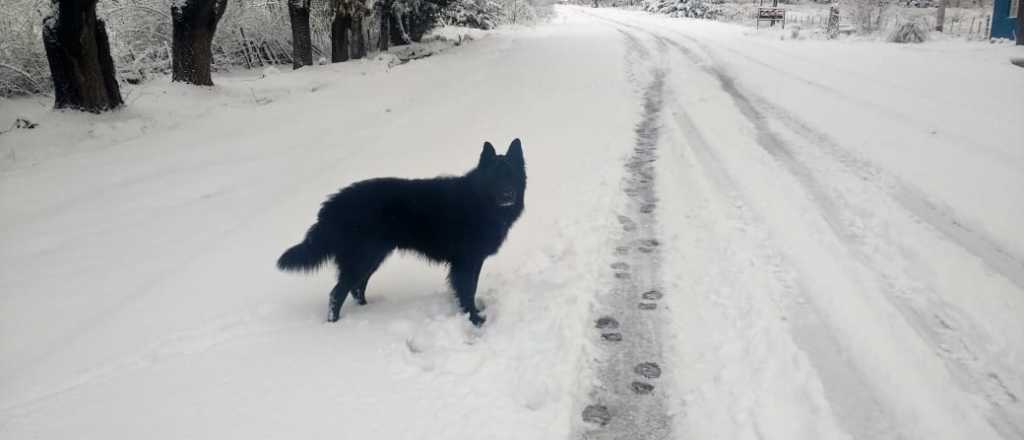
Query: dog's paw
[[477, 320]]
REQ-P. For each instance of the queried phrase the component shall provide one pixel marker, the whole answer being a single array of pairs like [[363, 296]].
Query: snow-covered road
[[868, 296], [831, 231]]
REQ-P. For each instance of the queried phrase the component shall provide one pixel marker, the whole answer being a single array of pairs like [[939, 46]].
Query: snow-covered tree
[[194, 24], [480, 14], [866, 15], [413, 18], [358, 11], [23, 66], [78, 51], [302, 43], [382, 14], [683, 8], [341, 26], [191, 39]]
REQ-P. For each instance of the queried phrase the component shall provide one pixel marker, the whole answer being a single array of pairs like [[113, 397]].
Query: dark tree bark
[[302, 43], [194, 23], [419, 24], [384, 18], [78, 51], [340, 26], [358, 46], [398, 34]]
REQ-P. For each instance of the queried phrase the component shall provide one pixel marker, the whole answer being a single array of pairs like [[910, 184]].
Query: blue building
[[1004, 18]]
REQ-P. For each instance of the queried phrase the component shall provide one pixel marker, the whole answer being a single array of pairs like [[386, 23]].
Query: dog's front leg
[[464, 276]]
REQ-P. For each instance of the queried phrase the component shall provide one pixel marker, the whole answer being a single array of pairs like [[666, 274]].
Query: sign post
[[770, 14]]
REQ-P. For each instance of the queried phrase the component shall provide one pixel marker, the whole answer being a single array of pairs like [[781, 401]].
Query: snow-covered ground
[[840, 251]]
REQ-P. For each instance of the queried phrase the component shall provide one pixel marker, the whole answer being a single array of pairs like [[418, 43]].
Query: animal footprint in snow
[[649, 370], [611, 337], [597, 414], [607, 322], [651, 295], [627, 223], [641, 387]]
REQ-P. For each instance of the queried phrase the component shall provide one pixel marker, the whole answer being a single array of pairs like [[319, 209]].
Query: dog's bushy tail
[[305, 256]]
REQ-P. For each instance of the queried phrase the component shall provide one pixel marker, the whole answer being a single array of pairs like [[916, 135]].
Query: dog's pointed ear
[[488, 154], [515, 152]]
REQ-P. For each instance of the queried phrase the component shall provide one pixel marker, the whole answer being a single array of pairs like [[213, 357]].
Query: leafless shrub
[[909, 32], [23, 68]]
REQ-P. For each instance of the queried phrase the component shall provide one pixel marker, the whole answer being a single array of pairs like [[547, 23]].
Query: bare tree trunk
[[399, 35], [78, 51], [358, 42], [340, 26], [382, 9], [419, 24], [940, 16], [302, 43], [194, 23]]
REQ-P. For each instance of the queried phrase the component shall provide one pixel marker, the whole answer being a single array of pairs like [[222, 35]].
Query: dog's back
[[434, 217]]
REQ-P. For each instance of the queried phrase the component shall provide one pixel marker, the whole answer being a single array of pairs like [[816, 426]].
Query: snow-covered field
[[840, 250]]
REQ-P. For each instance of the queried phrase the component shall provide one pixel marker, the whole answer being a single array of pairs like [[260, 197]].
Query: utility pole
[[1020, 23]]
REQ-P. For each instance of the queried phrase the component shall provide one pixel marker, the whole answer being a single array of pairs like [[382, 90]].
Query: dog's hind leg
[[339, 293], [370, 264], [359, 292], [463, 277]]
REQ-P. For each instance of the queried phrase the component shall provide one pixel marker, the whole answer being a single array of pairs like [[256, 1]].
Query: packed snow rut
[[628, 400], [948, 331], [843, 190]]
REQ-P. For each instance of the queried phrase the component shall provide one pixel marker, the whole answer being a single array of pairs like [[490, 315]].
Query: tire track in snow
[[962, 141], [977, 242], [931, 323], [963, 356], [628, 401], [845, 385], [948, 332], [953, 334], [974, 241]]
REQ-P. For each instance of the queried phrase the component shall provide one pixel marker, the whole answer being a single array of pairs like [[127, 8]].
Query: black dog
[[459, 221]]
